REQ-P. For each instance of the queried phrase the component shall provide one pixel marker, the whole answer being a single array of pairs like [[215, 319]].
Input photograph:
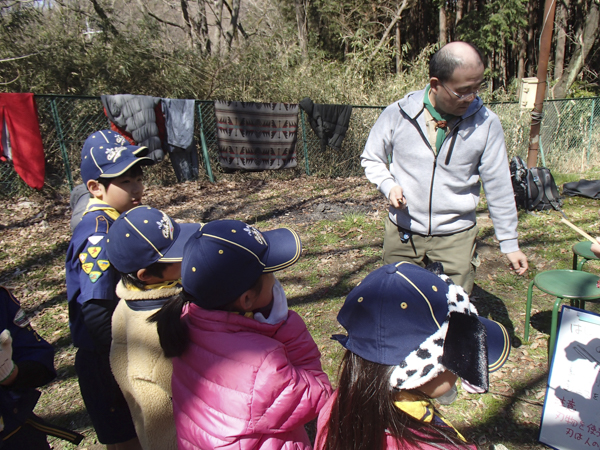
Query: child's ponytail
[[173, 333], [363, 414]]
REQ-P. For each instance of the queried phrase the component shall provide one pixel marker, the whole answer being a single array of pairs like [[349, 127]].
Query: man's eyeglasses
[[464, 96]]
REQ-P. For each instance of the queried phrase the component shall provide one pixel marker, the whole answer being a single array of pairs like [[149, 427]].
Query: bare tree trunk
[[561, 37], [458, 15], [398, 50], [106, 22], [530, 66], [231, 32], [443, 36], [302, 27], [522, 55], [584, 42], [187, 21]]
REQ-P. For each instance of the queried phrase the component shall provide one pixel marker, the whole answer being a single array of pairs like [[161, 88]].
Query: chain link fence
[[570, 137]]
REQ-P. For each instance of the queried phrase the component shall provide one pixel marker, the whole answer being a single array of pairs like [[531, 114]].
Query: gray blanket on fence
[[256, 136]]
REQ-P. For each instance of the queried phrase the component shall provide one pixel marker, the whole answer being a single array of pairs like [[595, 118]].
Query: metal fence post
[[304, 142], [61, 142], [204, 147], [591, 128]]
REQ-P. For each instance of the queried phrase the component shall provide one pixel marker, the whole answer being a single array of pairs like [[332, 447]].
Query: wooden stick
[[579, 230]]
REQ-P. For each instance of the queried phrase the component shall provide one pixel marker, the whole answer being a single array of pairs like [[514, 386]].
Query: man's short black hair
[[134, 171], [444, 62]]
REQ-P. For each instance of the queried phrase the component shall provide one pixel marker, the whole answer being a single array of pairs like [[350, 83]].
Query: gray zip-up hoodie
[[442, 191]]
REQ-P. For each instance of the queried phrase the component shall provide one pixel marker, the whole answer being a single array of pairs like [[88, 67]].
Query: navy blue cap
[[406, 316], [225, 258], [106, 154], [144, 235]]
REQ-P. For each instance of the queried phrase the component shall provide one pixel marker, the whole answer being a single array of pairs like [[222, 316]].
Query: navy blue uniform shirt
[[16, 404], [89, 274]]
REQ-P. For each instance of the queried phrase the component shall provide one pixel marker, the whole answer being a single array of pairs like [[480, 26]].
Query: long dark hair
[[364, 412], [173, 333]]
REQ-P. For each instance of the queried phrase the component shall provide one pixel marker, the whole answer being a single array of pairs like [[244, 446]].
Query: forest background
[[334, 51]]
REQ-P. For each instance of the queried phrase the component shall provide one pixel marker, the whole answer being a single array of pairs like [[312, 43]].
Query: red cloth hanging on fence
[[19, 112]]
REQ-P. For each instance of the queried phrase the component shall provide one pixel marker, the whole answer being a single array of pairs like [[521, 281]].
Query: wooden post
[[542, 75]]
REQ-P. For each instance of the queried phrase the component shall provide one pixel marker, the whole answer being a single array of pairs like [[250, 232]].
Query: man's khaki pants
[[456, 252]]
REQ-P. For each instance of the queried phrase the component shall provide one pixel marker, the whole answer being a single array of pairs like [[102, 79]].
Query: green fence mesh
[[570, 137]]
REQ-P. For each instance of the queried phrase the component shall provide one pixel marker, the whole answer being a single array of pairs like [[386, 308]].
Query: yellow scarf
[[163, 285], [98, 205], [423, 411]]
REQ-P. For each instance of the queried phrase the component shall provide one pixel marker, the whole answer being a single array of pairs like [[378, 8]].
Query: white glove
[[279, 311], [6, 363]]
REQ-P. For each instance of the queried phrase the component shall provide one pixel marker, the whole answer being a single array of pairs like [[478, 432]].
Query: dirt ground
[[34, 235]]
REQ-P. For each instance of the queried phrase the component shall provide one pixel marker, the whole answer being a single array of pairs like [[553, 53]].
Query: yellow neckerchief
[[248, 314], [163, 285], [422, 410], [98, 205]]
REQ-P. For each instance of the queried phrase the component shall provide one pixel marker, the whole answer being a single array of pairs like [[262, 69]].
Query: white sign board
[[571, 415]]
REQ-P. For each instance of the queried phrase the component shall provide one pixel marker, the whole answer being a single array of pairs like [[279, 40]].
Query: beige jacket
[[142, 371]]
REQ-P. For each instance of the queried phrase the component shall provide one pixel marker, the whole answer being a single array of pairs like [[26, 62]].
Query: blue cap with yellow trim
[[106, 154], [144, 235], [405, 316], [225, 258]]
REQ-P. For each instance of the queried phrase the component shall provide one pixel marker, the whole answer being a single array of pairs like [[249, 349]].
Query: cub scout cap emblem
[[255, 234], [166, 226]]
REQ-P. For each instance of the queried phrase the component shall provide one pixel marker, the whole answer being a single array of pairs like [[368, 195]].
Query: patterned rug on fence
[[256, 136]]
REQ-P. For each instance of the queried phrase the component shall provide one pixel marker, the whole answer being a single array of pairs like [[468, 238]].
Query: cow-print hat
[[405, 316]]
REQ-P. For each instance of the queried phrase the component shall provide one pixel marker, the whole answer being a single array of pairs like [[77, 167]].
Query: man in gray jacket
[[443, 143]]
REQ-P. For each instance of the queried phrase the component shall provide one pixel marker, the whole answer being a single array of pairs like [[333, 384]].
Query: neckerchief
[[163, 285], [424, 411], [442, 121], [98, 205]]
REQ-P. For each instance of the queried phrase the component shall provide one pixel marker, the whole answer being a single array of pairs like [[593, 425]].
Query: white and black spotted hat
[[405, 316]]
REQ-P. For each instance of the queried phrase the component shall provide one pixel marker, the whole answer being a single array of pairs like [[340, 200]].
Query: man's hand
[[518, 262], [396, 198], [595, 248]]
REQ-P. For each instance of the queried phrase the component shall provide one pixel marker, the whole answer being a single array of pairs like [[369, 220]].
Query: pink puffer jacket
[[242, 384]]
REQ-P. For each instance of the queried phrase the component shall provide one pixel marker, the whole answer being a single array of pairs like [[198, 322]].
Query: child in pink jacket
[[246, 372], [410, 335]]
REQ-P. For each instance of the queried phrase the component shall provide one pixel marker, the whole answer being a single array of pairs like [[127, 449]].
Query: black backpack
[[535, 188]]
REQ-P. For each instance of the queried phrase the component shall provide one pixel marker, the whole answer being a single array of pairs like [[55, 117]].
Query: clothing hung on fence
[[21, 138], [139, 118], [329, 122], [179, 127], [256, 136]]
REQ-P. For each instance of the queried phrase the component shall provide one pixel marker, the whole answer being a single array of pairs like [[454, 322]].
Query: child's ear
[[95, 188], [244, 301], [143, 276]]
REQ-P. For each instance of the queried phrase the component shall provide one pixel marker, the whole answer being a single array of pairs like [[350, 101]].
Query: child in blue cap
[[410, 335], [246, 371], [146, 246], [111, 170]]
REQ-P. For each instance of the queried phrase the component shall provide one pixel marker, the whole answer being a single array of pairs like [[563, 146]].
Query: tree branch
[[166, 22], [389, 29]]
